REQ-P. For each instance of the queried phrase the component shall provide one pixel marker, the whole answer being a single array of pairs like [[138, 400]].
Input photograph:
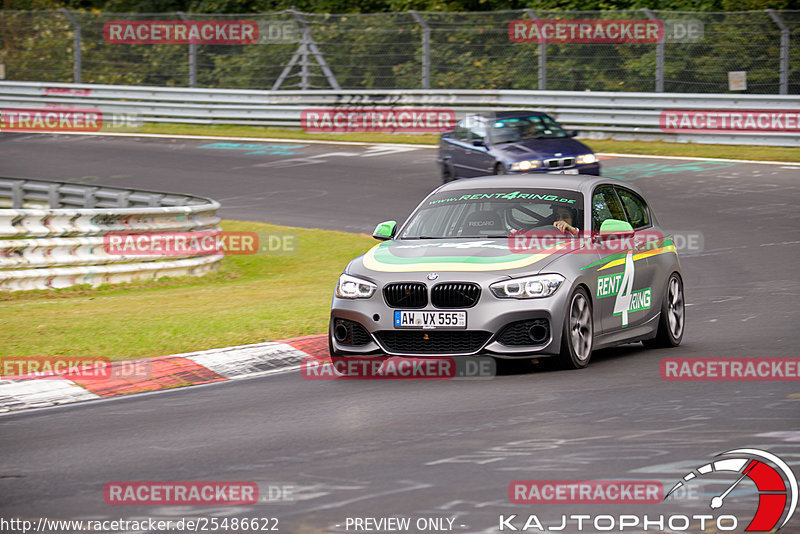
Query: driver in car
[[565, 219]]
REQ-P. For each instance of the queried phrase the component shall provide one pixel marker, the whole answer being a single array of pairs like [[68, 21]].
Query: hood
[[459, 255], [542, 148]]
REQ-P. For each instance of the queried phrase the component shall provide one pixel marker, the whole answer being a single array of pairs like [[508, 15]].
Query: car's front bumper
[[592, 168], [490, 315]]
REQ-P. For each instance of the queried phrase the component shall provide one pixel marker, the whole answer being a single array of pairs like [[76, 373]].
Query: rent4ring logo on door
[[620, 285], [742, 486]]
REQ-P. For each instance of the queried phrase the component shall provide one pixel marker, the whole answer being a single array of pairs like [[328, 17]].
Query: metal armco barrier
[[51, 233], [621, 116]]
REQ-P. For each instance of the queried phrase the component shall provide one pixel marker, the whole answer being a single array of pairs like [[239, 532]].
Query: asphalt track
[[428, 448]]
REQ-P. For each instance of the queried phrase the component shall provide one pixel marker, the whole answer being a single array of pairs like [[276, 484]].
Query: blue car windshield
[[516, 129], [493, 213]]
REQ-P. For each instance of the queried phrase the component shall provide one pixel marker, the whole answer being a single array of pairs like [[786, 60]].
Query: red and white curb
[[163, 372]]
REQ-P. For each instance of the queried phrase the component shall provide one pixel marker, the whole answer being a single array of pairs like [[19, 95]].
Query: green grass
[[696, 150], [656, 148], [249, 300]]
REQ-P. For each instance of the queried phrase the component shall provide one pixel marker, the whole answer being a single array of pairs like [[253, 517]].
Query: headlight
[[529, 287], [526, 165], [586, 158], [350, 287]]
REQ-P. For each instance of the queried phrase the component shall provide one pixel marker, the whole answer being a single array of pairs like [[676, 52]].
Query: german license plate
[[430, 319], [564, 171]]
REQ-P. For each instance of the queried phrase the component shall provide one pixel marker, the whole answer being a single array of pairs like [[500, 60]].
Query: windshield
[[520, 128], [493, 213]]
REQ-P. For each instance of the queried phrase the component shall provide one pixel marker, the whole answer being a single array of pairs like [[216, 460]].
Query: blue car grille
[[559, 163]]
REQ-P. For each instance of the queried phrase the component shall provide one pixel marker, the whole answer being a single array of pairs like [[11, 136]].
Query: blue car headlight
[[526, 165], [528, 287], [585, 159]]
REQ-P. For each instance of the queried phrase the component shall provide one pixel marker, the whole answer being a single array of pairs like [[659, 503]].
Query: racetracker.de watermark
[[396, 368], [538, 241], [199, 243], [181, 32], [73, 368], [181, 493], [720, 120], [585, 491], [392, 120], [50, 120], [741, 369], [585, 31]]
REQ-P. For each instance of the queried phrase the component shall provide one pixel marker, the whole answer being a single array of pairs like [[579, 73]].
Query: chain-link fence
[[748, 52]]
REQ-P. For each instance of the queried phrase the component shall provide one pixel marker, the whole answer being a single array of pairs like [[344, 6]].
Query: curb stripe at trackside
[[24, 394], [164, 372]]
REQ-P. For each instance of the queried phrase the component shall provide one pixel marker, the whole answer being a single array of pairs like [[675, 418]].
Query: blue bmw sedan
[[512, 142]]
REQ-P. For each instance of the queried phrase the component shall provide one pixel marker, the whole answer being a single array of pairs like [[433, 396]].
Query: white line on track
[[221, 138], [688, 158]]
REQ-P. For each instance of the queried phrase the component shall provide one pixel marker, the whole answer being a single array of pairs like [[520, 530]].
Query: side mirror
[[385, 230], [614, 228], [478, 142], [573, 133]]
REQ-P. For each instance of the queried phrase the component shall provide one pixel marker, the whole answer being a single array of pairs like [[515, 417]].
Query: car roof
[[510, 114], [570, 182]]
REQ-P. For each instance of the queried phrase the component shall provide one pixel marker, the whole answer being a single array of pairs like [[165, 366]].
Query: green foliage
[[385, 50], [383, 6]]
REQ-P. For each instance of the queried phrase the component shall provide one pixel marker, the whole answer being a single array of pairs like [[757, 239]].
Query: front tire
[[577, 336], [499, 169], [673, 315]]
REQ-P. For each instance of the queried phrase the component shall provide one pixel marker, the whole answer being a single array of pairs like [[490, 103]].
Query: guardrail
[[52, 233], [600, 114]]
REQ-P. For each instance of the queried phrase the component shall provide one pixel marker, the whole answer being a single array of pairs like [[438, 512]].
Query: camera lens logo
[[774, 480]]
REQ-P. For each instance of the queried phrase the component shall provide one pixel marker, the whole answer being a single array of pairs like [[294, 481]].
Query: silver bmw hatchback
[[513, 267]]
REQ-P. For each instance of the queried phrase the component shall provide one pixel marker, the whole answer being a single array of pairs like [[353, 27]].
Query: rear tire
[[577, 335], [673, 316]]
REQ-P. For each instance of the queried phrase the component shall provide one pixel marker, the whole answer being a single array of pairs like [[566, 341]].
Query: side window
[[634, 207], [605, 205], [461, 130], [478, 130]]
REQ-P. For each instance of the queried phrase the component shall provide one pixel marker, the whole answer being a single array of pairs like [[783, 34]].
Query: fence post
[[426, 49], [192, 56], [659, 55], [76, 46], [542, 56], [310, 46], [784, 68]]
